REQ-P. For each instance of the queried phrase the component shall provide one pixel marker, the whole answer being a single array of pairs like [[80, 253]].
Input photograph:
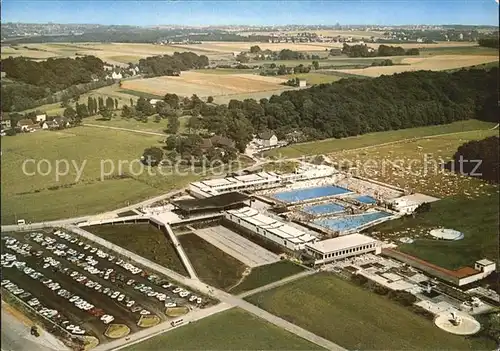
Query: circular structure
[[148, 321], [116, 331], [176, 311], [446, 234], [458, 323], [406, 240]]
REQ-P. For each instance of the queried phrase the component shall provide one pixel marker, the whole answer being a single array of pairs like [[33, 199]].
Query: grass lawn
[[418, 165], [476, 218], [365, 140], [234, 329], [38, 198], [211, 264], [267, 274], [126, 58], [143, 239], [141, 94], [357, 319]]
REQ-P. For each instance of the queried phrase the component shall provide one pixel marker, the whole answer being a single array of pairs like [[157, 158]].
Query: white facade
[[302, 83], [342, 247], [41, 118], [409, 203], [485, 268], [279, 232]]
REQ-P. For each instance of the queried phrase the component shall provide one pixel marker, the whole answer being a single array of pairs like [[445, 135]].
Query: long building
[[342, 247], [272, 229]]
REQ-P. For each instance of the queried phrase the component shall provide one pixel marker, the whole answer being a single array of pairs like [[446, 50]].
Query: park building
[[342, 247], [252, 221]]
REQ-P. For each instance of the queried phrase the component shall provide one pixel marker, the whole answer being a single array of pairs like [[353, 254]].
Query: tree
[[152, 156], [96, 106], [105, 113], [210, 99], [315, 64], [173, 125], [101, 103], [110, 104], [255, 49], [90, 105], [172, 100], [242, 58], [82, 111], [171, 142], [65, 101], [69, 113], [131, 102], [116, 104]]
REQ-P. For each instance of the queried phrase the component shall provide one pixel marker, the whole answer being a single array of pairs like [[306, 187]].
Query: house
[[62, 122], [114, 75], [154, 101], [41, 118], [268, 139], [50, 125], [5, 123], [302, 83], [25, 125]]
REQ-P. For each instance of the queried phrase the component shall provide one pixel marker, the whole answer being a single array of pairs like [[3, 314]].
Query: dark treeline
[[362, 50], [478, 158], [489, 42], [54, 74], [357, 106], [171, 65]]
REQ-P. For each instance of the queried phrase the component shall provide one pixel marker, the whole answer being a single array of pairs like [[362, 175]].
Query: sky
[[250, 12]]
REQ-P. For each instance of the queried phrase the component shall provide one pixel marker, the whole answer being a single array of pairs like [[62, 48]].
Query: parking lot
[[85, 289]]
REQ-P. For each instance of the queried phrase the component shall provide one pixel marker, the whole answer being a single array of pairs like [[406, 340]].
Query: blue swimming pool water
[[310, 193], [324, 209], [365, 199], [350, 222]]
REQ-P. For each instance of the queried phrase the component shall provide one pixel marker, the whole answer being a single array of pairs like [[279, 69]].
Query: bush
[[359, 279], [403, 297]]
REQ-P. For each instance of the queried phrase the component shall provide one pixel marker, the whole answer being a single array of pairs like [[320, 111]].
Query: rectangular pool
[[324, 209], [309, 193], [365, 199], [351, 222]]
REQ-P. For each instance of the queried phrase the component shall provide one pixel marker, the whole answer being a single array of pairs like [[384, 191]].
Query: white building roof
[[485, 262], [414, 199], [341, 242]]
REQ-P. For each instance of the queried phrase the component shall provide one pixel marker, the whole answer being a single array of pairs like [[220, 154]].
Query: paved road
[[208, 290], [277, 283], [16, 336], [124, 129]]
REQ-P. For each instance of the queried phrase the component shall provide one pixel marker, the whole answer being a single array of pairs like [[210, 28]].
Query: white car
[[145, 312], [130, 303], [170, 304], [176, 290], [121, 297], [74, 298], [115, 294]]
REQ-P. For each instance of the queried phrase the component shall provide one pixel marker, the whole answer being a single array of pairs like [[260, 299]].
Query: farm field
[[355, 318], [315, 78], [371, 139], [429, 63], [143, 239], [263, 275], [476, 218], [212, 265], [203, 84], [460, 50], [234, 329], [39, 198], [417, 165]]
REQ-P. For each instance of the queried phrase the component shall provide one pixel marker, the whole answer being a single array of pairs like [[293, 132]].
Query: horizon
[[253, 13]]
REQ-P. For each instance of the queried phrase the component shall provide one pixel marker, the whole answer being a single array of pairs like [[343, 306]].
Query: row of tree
[[363, 50], [171, 65], [489, 42]]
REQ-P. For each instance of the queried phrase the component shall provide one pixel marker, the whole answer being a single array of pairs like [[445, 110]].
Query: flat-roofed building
[[270, 228], [342, 247]]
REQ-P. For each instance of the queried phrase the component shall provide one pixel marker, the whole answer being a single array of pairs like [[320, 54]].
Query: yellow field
[[326, 33], [432, 63], [204, 84]]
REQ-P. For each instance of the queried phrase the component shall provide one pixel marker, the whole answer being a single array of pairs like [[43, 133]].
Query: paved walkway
[[277, 283], [124, 129]]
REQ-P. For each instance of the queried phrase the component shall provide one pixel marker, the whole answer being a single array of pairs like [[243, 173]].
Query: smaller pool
[[310, 193], [346, 223], [324, 209], [365, 199]]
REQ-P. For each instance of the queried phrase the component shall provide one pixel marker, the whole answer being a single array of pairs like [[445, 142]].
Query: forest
[[489, 43], [478, 158], [352, 107], [171, 65]]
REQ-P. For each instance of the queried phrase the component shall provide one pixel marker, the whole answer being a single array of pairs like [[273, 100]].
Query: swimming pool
[[324, 209], [365, 199], [309, 193], [351, 222]]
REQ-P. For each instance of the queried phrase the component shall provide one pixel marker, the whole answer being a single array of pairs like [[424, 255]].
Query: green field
[[140, 94], [143, 239], [42, 198], [126, 58], [267, 274], [227, 71], [476, 218], [313, 78], [230, 330], [365, 140], [150, 126], [212, 265], [357, 319], [458, 50]]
